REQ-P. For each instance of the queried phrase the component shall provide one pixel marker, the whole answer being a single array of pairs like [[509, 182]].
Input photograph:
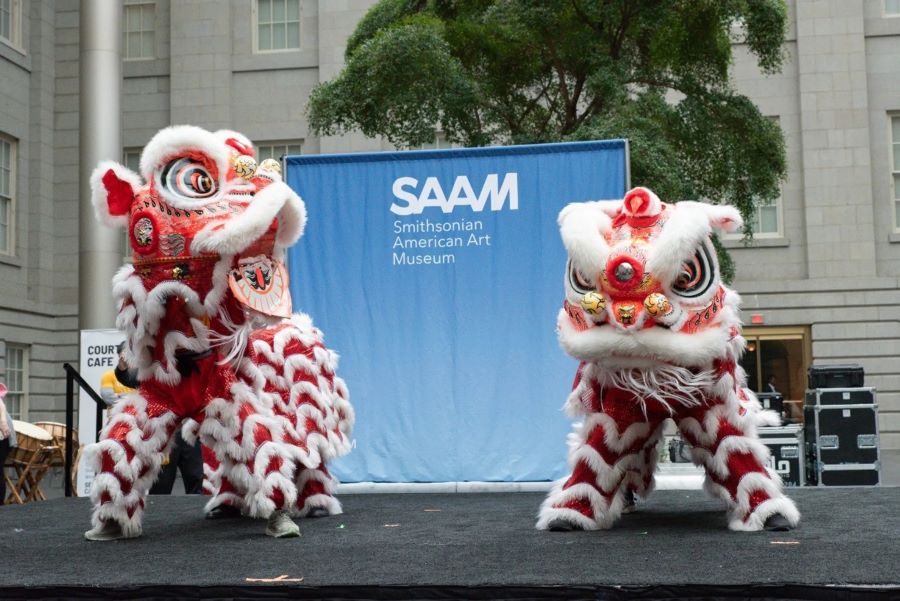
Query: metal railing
[[72, 376]]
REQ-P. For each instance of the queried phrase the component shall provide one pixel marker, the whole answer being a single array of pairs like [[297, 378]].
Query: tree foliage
[[523, 71]]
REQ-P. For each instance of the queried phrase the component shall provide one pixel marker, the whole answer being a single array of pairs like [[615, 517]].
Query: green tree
[[525, 71]]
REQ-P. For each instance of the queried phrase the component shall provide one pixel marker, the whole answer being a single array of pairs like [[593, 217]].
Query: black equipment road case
[[835, 376], [842, 439], [788, 457], [772, 400], [840, 396]]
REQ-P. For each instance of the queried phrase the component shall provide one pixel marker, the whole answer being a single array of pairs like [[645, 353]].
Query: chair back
[[58, 432], [30, 438]]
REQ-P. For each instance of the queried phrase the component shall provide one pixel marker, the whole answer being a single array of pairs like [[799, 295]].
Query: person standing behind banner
[[116, 383], [7, 439]]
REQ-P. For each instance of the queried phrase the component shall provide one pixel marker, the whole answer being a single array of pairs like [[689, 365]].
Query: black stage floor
[[476, 546]]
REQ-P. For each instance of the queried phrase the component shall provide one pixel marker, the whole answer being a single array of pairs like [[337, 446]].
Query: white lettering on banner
[[427, 226], [404, 259], [428, 242], [462, 194], [408, 237]]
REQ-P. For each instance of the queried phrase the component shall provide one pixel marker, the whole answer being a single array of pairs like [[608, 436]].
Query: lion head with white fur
[[643, 289]]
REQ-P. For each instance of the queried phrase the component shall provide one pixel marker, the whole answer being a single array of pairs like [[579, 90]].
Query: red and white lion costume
[[659, 337], [207, 314]]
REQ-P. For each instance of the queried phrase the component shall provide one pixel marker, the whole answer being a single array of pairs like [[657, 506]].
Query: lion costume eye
[[696, 275], [187, 178], [578, 282]]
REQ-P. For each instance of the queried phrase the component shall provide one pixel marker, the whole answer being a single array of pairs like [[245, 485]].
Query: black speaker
[[835, 376]]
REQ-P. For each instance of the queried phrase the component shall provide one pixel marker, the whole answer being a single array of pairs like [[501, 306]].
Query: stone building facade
[[820, 280]]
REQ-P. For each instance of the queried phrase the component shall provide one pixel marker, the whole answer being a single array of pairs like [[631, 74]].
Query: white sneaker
[[280, 525]]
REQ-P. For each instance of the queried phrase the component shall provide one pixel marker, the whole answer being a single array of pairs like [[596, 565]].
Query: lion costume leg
[[127, 460], [226, 497], [255, 471], [602, 451], [639, 473], [724, 441], [316, 492]]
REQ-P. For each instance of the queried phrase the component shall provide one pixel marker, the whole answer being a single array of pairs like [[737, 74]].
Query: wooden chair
[[58, 458], [30, 459]]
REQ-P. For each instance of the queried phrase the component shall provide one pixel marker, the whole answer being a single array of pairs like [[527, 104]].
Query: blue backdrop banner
[[437, 276]]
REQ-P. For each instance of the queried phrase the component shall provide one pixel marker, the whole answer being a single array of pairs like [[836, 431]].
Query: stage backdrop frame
[[437, 275]]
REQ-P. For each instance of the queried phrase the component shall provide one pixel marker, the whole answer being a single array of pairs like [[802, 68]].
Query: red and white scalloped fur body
[[257, 386], [658, 336]]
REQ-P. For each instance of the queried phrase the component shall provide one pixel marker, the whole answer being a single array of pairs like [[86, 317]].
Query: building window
[[766, 219], [440, 142], [139, 34], [131, 158], [7, 194], [11, 22], [17, 381], [277, 25], [892, 8], [276, 150], [895, 168]]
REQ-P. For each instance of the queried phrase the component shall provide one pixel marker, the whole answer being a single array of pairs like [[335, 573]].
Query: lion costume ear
[[113, 188], [725, 218]]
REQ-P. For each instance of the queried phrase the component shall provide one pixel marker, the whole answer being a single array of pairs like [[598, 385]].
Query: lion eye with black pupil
[[696, 275], [187, 179]]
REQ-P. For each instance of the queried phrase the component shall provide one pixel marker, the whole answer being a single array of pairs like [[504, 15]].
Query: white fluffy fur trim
[[740, 517], [583, 226], [687, 228], [224, 134], [725, 218], [689, 225], [148, 437], [190, 430], [324, 500], [140, 316], [238, 233], [100, 196], [292, 219], [558, 496], [677, 348]]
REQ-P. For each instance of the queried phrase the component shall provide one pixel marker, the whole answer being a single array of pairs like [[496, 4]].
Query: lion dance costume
[[658, 336], [207, 314]]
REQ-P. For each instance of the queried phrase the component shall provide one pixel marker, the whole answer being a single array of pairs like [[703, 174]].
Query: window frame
[[440, 142], [10, 249], [254, 20], [894, 167], [141, 32], [258, 146], [22, 409], [889, 14], [779, 216], [14, 40], [133, 152], [776, 235]]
